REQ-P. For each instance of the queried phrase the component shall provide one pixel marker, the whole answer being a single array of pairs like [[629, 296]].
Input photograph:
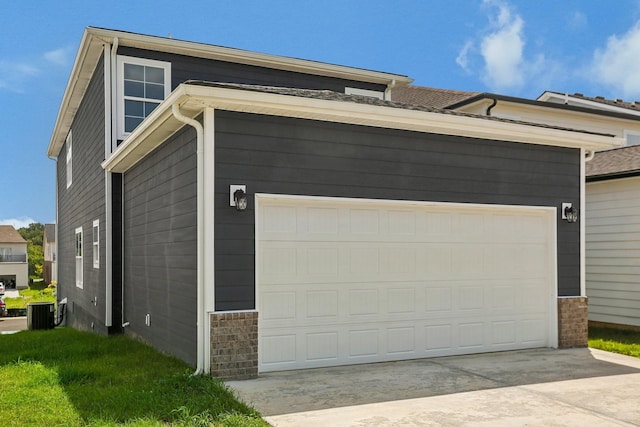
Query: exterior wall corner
[[573, 325], [234, 345]]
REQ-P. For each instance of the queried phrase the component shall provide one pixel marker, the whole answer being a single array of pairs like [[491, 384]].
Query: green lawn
[[63, 377], [32, 294], [615, 340]]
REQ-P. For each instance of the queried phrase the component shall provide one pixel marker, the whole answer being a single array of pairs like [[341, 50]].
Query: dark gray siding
[[160, 247], [78, 206], [185, 68], [293, 156]]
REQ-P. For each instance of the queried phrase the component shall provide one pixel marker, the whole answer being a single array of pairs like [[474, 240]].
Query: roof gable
[[8, 234], [96, 40]]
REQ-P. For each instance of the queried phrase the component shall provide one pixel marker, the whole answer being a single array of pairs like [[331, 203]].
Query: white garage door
[[342, 281]]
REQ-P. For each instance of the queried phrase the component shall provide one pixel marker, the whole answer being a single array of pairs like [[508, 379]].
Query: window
[[142, 85], [79, 257], [633, 138], [69, 161], [96, 243]]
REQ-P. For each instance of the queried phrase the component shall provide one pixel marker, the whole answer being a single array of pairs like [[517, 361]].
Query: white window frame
[[69, 143], [78, 254], [96, 243], [121, 61]]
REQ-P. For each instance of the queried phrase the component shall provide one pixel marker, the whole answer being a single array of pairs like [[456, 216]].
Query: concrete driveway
[[544, 387]]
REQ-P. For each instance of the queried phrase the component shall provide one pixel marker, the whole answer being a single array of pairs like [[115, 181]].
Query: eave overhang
[[91, 48], [193, 99]]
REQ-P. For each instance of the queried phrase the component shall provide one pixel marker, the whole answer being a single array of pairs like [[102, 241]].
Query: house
[[14, 266], [50, 268], [251, 213], [613, 224], [612, 283]]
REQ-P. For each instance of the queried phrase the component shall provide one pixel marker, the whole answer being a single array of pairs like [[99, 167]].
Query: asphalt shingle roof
[[8, 234], [429, 96], [619, 161]]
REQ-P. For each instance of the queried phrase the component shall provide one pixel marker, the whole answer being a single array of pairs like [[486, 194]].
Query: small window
[[142, 85], [69, 160], [78, 247], [633, 138], [96, 243]]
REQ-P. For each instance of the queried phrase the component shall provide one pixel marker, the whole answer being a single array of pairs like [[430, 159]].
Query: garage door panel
[[348, 282]]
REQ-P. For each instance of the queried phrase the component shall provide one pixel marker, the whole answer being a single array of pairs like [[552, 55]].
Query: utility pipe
[[200, 242]]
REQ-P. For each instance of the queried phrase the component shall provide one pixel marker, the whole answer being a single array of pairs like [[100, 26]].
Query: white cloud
[[577, 20], [617, 64], [502, 49], [14, 75], [497, 55], [58, 56], [19, 222]]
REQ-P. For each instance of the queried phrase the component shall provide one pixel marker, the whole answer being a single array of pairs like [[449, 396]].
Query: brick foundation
[[234, 345], [573, 323]]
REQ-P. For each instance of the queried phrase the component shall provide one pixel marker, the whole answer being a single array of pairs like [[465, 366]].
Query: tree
[[34, 235]]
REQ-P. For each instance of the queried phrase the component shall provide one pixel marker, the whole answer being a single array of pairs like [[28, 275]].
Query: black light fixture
[[569, 212], [238, 197]]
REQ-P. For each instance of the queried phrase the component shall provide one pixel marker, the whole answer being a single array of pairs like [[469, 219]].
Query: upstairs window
[[69, 160], [142, 85]]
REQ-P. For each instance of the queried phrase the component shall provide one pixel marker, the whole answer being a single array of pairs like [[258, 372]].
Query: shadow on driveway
[[361, 385]]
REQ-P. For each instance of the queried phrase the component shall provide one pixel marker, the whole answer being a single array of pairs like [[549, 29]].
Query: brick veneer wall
[[234, 345], [572, 322]]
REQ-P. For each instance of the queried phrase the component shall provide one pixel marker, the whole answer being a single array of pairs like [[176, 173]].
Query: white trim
[[364, 92], [234, 311], [583, 226], [193, 98], [121, 60], [69, 162], [108, 190], [95, 244], [209, 230], [472, 206], [575, 101]]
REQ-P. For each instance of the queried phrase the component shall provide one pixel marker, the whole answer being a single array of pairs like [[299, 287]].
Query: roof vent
[[619, 101], [578, 94], [601, 98]]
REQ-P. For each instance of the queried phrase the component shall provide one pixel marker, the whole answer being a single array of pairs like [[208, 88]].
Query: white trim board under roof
[[193, 98], [581, 101], [91, 48]]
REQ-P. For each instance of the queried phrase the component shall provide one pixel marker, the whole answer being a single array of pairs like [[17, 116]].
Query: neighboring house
[[49, 249], [613, 236], [250, 213], [14, 266]]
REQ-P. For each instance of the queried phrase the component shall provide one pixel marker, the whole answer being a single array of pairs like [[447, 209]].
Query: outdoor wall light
[[238, 197], [569, 213]]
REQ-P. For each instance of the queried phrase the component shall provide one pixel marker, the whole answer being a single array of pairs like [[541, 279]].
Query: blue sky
[[512, 47]]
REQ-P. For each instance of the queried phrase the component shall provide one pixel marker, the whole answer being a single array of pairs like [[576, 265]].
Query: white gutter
[[200, 227]]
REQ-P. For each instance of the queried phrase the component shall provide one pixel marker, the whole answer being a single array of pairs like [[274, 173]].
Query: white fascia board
[[87, 57], [194, 98], [240, 56], [550, 96]]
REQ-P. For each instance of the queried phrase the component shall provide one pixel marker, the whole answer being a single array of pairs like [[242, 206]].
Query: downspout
[[200, 242], [587, 155], [493, 104], [590, 155], [387, 92]]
